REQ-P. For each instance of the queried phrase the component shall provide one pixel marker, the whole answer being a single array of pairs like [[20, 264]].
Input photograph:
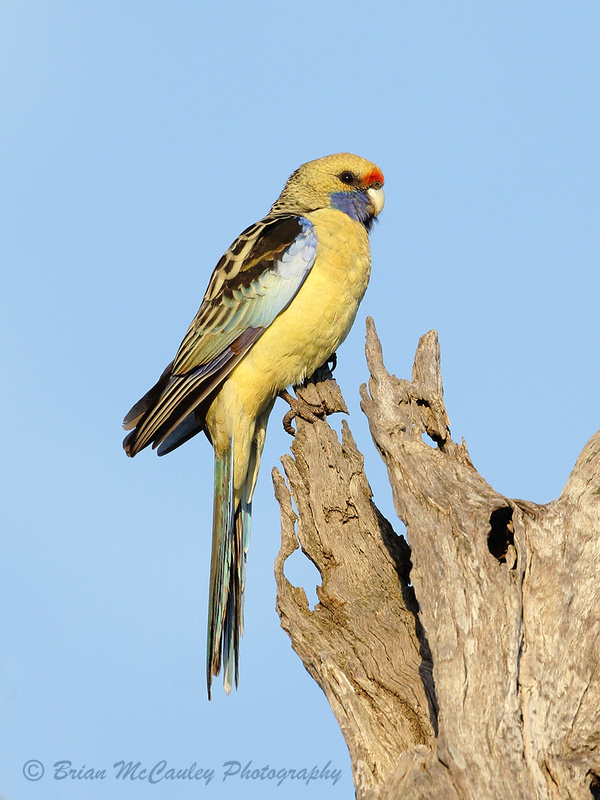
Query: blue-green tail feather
[[231, 536]]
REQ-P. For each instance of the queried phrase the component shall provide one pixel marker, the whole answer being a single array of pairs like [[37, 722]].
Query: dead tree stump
[[466, 665]]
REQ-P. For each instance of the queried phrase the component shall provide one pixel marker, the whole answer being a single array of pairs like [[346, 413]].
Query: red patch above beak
[[375, 176]]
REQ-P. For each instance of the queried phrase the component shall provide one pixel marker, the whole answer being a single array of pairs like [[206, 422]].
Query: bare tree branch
[[502, 601], [361, 642]]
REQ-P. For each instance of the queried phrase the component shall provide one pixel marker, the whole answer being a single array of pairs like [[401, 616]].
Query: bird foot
[[324, 372], [299, 407], [316, 398]]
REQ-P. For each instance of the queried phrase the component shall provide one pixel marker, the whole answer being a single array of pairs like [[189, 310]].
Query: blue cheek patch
[[355, 204]]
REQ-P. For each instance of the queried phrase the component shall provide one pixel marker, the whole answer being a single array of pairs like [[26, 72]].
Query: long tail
[[230, 541]]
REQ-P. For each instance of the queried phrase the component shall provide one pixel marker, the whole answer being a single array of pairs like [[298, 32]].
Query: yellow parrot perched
[[279, 303]]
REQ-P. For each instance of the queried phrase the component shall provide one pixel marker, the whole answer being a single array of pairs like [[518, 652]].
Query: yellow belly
[[303, 336]]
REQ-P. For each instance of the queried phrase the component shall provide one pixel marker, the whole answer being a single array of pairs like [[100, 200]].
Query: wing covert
[[250, 286], [255, 280]]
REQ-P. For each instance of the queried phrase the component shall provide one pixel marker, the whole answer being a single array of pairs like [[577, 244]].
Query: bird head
[[342, 181]]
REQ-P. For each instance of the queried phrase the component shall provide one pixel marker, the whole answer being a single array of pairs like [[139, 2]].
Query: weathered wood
[[508, 608], [361, 642]]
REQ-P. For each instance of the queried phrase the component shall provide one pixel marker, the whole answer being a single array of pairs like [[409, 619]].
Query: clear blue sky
[[138, 139]]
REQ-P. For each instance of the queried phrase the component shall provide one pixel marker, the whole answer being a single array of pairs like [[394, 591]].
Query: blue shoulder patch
[[300, 255]]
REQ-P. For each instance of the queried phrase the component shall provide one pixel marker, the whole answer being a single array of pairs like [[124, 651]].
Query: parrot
[[279, 303]]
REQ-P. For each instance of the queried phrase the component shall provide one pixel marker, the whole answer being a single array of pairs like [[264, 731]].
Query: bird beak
[[377, 198]]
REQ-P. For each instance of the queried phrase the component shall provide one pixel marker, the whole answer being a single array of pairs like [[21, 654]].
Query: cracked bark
[[466, 665]]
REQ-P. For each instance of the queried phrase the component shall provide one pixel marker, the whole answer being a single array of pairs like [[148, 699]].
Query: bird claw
[[299, 407], [324, 372], [322, 386]]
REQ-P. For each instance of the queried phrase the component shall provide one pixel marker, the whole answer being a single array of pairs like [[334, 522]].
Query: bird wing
[[254, 281]]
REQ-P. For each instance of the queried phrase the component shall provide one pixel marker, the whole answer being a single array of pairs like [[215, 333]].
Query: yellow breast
[[317, 320]]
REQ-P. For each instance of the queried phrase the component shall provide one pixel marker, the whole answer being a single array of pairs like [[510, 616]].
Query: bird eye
[[348, 178]]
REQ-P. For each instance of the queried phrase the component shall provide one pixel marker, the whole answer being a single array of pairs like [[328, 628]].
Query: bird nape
[[278, 304]]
